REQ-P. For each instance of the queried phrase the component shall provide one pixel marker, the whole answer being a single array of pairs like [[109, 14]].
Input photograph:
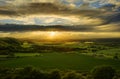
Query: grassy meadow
[[58, 61]]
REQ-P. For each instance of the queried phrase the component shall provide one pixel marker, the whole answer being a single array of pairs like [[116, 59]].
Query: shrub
[[55, 75], [31, 73], [11, 55], [72, 75], [116, 57], [103, 72]]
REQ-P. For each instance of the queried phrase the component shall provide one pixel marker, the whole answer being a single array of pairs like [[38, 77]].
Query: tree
[[103, 72]]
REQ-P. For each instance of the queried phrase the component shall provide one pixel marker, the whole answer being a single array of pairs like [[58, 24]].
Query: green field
[[110, 52], [58, 61]]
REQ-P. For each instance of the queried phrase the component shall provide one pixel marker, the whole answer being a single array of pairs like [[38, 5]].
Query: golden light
[[52, 34], [57, 35]]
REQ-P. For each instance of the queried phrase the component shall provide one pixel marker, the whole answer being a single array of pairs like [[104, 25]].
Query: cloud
[[48, 12], [59, 19], [24, 2], [80, 28], [26, 28], [29, 8], [38, 8], [108, 28]]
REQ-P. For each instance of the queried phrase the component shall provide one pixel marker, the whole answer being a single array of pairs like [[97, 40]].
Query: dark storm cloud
[[113, 18], [8, 13], [25, 28]]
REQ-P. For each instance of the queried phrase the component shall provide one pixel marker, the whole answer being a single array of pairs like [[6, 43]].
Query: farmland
[[18, 56], [63, 55]]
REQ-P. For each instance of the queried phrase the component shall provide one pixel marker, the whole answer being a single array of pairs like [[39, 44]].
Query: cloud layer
[[72, 15]]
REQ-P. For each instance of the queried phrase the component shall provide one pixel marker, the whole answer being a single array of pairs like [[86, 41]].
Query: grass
[[108, 53], [59, 61], [26, 54], [2, 56]]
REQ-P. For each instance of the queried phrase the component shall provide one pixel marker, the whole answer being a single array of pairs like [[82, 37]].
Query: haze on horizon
[[79, 19]]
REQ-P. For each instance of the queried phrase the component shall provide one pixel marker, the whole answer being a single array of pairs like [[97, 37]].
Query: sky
[[78, 18]]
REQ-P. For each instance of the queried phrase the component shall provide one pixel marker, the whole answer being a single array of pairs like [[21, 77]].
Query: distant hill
[[9, 40]]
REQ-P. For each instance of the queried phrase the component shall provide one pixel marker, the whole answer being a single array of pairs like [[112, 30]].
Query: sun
[[52, 34]]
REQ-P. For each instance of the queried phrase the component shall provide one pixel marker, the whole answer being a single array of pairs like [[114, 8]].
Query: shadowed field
[[58, 61]]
